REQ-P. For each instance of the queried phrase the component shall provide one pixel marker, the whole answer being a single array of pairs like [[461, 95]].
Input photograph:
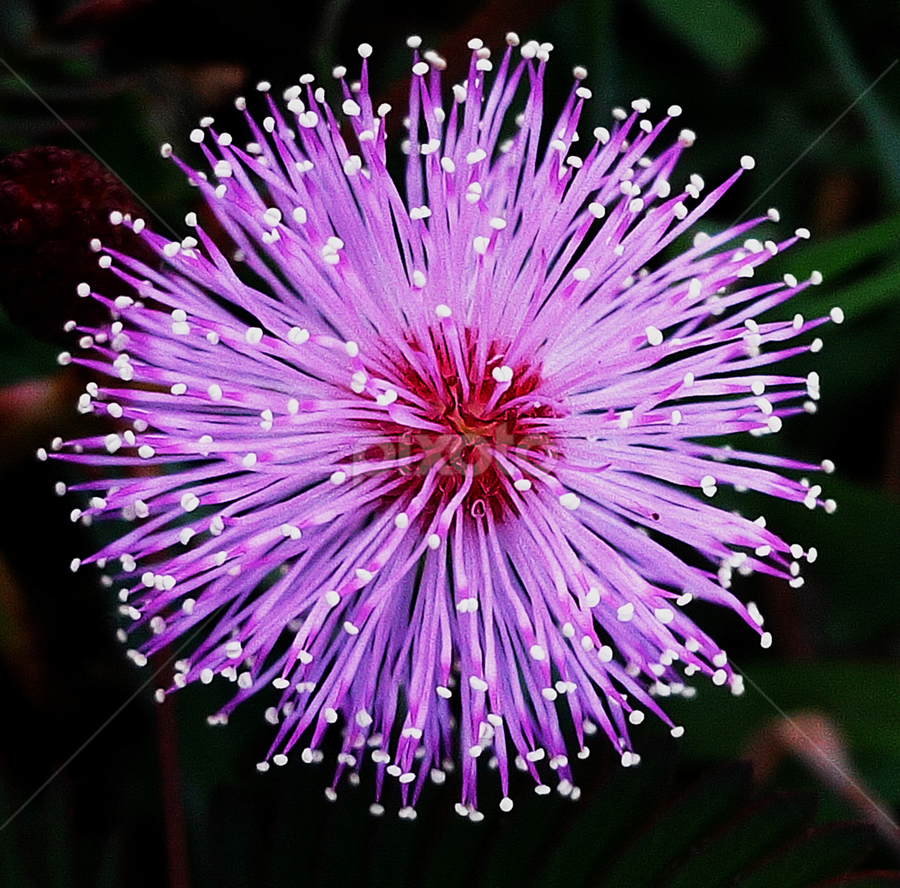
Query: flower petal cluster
[[419, 466]]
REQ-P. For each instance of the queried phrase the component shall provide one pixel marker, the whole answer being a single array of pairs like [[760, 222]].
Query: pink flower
[[419, 468]]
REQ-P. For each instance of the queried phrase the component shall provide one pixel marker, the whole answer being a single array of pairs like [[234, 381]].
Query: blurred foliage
[[640, 827], [786, 82], [721, 32]]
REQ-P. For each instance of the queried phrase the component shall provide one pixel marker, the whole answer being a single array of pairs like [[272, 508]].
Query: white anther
[[570, 501]]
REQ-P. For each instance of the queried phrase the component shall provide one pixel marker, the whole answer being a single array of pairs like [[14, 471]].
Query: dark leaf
[[754, 832], [680, 827], [821, 854], [723, 33]]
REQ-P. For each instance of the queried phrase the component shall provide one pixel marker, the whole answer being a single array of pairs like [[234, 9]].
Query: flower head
[[420, 467]]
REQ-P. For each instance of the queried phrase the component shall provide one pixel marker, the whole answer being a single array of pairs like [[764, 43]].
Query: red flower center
[[488, 433]]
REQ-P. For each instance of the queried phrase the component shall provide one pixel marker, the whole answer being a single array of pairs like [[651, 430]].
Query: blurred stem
[[173, 811]]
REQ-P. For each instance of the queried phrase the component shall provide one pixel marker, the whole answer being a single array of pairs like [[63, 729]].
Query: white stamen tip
[[570, 501]]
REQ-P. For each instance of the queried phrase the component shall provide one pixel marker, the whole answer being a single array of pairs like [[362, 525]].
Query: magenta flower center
[[486, 426]]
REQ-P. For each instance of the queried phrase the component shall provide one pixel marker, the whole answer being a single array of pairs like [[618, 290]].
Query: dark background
[[158, 794]]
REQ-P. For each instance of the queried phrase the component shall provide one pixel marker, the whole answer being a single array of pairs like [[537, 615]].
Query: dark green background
[[774, 80]]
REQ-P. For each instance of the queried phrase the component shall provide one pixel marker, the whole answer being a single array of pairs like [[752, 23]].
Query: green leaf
[[296, 836], [722, 32], [864, 880], [232, 836], [443, 835], [755, 832], [395, 843], [839, 260], [596, 828], [519, 845], [884, 131], [347, 818], [13, 871], [21, 355], [855, 546], [856, 299], [837, 255], [684, 823], [863, 698], [825, 852]]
